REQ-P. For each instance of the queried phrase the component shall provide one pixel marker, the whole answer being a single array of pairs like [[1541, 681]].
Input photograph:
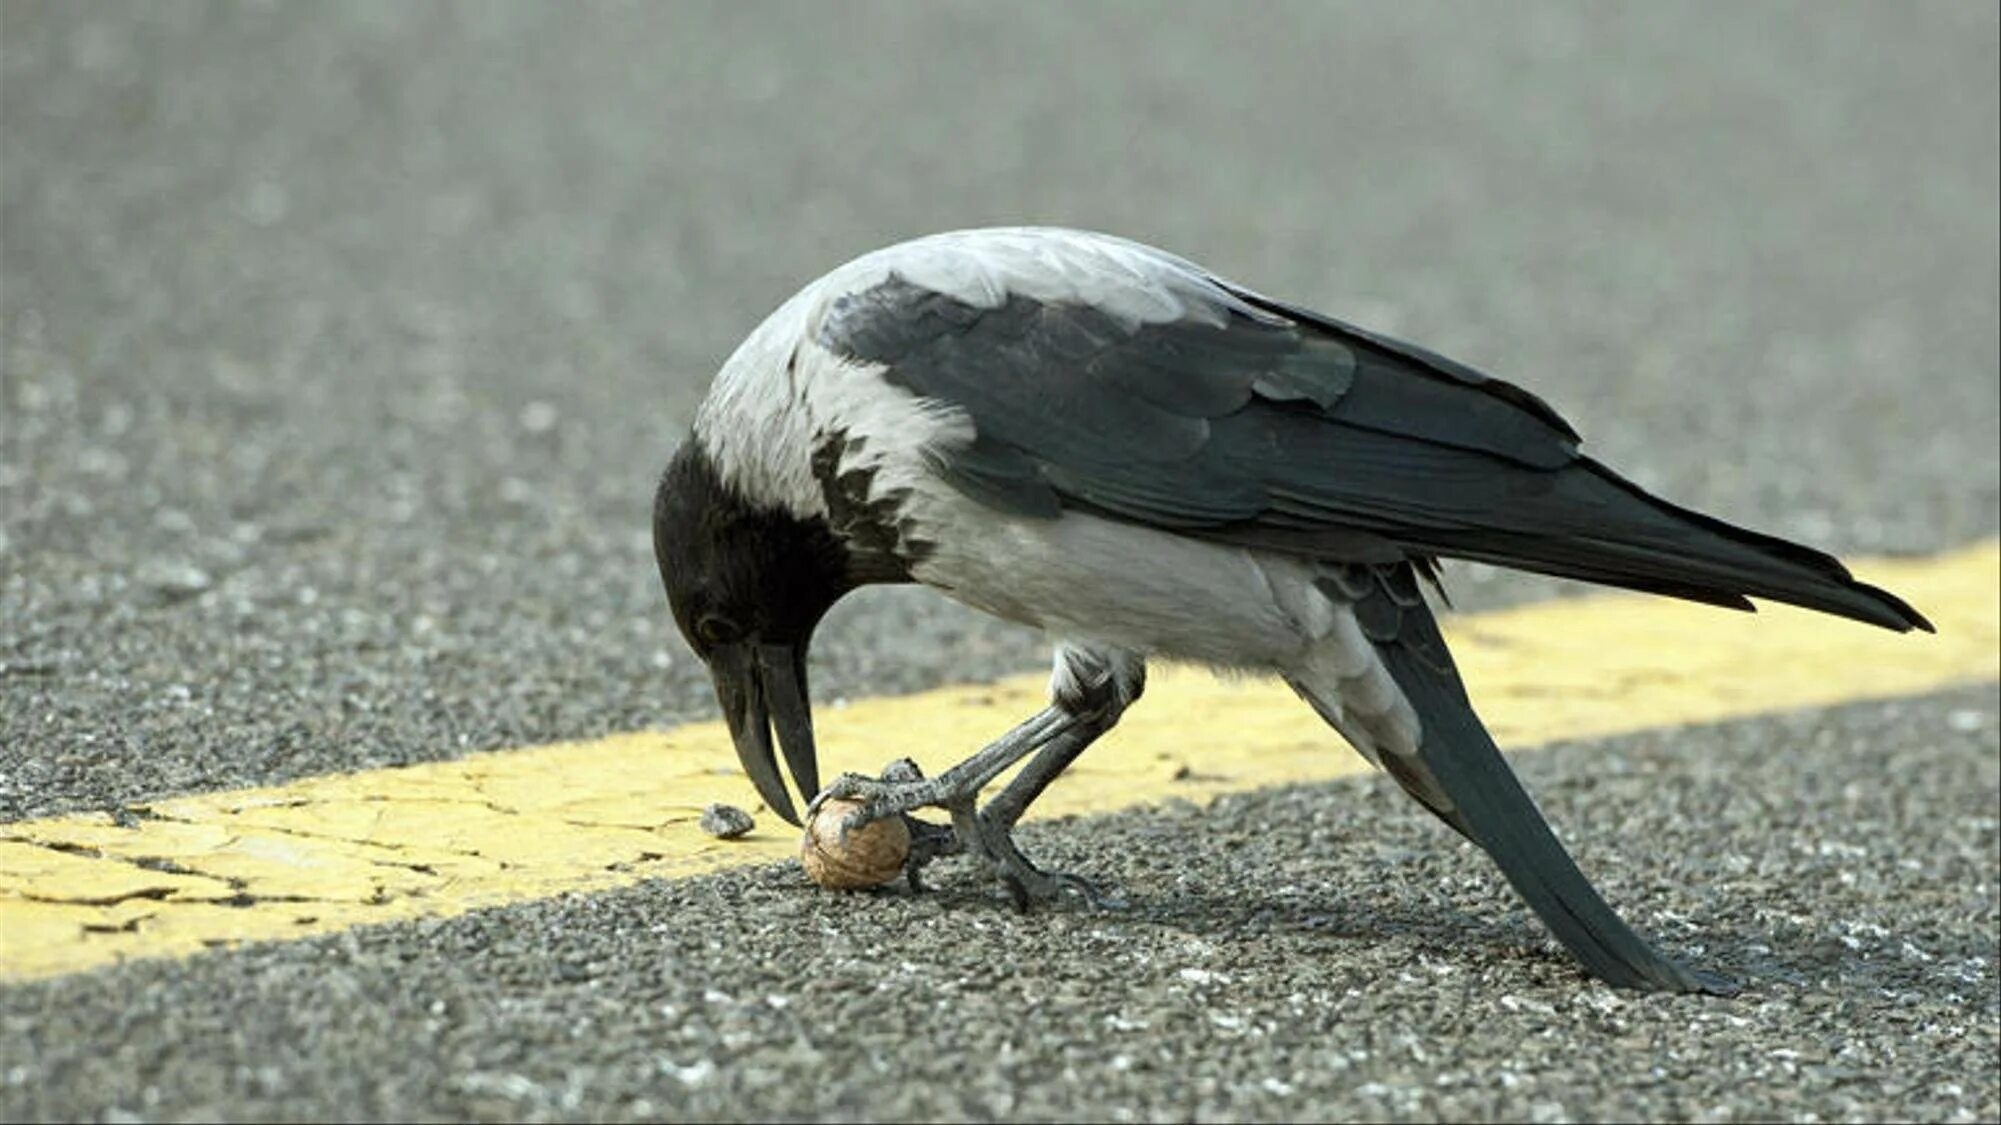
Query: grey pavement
[[1319, 953], [340, 345]]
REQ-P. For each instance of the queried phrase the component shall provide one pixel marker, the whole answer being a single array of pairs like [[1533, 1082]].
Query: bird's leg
[[1090, 689], [892, 796], [1100, 695], [1095, 688], [993, 826]]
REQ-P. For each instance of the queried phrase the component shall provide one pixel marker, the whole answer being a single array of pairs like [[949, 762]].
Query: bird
[[1146, 461]]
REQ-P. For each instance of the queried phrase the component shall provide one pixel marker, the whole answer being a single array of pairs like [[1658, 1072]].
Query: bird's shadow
[[1766, 960]]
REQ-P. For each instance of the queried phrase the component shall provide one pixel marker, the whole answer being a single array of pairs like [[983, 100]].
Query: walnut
[[868, 856]]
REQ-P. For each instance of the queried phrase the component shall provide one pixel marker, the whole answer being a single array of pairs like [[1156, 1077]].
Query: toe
[[846, 787]]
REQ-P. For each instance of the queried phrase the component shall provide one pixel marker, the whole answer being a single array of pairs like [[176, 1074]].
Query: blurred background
[[343, 342]]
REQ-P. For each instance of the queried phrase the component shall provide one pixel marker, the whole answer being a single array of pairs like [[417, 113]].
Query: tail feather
[[1493, 810], [1594, 525], [1457, 772]]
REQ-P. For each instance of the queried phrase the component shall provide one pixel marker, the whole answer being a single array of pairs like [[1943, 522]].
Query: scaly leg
[[1090, 688], [1109, 687]]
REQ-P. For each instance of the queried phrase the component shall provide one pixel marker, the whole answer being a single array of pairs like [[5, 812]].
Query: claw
[[1025, 883], [845, 787], [1017, 892], [903, 787], [902, 770], [1036, 885], [1094, 896], [856, 821]]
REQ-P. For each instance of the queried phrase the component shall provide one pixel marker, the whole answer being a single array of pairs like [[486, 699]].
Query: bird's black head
[[747, 585]]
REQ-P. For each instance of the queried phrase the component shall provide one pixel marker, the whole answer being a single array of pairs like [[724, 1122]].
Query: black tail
[[1592, 524], [1412, 450]]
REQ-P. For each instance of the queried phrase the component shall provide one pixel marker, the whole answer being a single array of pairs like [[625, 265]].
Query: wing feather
[[1214, 411]]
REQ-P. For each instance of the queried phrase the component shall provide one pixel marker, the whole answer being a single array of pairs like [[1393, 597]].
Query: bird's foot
[[903, 788], [1026, 884], [928, 842]]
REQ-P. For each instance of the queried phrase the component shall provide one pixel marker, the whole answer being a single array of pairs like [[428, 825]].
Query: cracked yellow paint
[[178, 875]]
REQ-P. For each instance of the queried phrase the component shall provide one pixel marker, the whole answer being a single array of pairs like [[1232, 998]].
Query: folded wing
[[1239, 419]]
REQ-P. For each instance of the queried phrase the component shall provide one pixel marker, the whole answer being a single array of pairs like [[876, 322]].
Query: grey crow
[[1142, 459]]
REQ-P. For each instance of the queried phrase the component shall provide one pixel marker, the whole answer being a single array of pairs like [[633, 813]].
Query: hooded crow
[[1113, 445]]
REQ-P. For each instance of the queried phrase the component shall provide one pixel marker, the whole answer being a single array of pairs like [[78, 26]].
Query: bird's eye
[[715, 629]]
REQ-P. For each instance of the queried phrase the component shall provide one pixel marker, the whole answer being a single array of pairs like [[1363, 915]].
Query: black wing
[[1252, 422]]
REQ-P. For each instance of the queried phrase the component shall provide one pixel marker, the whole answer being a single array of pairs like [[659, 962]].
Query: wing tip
[[1872, 605], [1905, 616]]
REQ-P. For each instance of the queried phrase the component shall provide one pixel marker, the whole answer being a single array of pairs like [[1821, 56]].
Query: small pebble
[[175, 581], [726, 822]]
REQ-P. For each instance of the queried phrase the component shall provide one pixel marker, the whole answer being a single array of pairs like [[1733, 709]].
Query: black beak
[[759, 687]]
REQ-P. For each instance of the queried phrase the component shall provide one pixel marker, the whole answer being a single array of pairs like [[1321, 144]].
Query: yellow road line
[[329, 853]]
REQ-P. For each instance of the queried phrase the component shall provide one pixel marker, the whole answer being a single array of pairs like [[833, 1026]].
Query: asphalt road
[[342, 344]]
